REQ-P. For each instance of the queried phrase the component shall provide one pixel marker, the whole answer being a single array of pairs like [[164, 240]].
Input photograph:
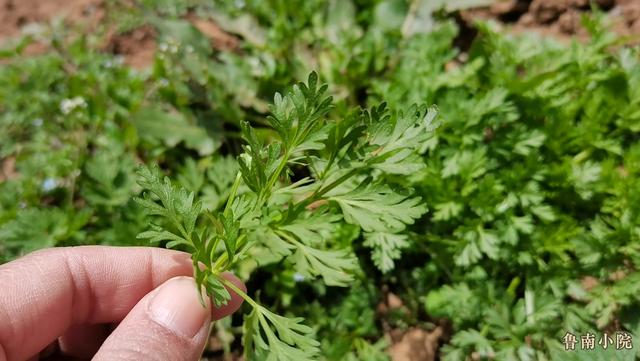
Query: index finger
[[44, 293]]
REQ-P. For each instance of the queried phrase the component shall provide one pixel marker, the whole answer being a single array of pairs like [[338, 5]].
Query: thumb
[[169, 323]]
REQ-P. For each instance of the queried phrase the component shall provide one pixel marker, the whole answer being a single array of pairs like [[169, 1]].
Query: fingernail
[[177, 307]]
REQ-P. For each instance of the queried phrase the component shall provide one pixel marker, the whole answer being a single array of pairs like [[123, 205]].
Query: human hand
[[67, 301]]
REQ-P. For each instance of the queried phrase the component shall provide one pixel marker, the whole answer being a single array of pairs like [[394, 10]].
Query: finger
[[53, 289], [83, 341], [168, 324]]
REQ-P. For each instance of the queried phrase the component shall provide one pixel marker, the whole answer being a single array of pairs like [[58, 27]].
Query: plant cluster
[[532, 186]]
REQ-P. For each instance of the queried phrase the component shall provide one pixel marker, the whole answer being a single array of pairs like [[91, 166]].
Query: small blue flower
[[49, 184], [298, 277]]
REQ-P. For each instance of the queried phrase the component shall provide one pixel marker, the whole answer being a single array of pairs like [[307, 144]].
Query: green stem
[[328, 166], [232, 193], [276, 175], [314, 197], [240, 292], [286, 235], [215, 245]]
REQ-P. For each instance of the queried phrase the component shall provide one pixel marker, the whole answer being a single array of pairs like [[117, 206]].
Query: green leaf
[[544, 212], [386, 248], [268, 336], [36, 228], [334, 266], [446, 211], [297, 116], [313, 228], [157, 234], [230, 235], [218, 292], [398, 139], [476, 243], [171, 128], [377, 208]]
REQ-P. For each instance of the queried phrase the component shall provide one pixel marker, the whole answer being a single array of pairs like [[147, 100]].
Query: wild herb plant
[[531, 189], [271, 206]]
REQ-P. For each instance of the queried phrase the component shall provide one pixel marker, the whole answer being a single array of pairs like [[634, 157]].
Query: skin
[[102, 302]]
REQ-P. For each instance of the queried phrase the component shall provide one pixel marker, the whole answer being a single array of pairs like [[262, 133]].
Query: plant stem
[[240, 292], [332, 185], [276, 174], [232, 193]]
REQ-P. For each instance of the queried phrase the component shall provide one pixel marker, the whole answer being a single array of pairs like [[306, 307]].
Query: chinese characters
[[621, 341]]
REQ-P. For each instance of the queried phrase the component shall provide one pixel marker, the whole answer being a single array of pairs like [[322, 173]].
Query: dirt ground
[[137, 46], [15, 14], [560, 18]]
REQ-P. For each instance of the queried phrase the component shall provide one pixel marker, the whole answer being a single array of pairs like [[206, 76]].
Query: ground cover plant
[[495, 227]]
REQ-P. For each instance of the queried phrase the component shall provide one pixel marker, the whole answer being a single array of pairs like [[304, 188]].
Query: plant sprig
[[296, 220]]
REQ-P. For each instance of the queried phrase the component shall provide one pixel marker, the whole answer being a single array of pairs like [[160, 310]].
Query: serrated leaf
[[230, 235], [446, 211], [397, 139], [155, 124], [158, 235], [376, 208], [334, 266], [270, 337], [314, 228], [217, 291], [386, 248]]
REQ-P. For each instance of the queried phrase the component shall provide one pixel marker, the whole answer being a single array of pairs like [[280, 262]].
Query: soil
[[560, 18], [15, 14], [413, 344], [416, 344], [137, 46], [219, 38], [8, 169]]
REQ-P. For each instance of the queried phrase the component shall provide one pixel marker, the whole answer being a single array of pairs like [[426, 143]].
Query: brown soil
[[137, 46], [560, 18], [413, 344], [219, 38], [15, 14], [416, 345], [589, 283], [8, 169]]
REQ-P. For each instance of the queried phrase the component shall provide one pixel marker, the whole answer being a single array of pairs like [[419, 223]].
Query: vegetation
[[513, 216]]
